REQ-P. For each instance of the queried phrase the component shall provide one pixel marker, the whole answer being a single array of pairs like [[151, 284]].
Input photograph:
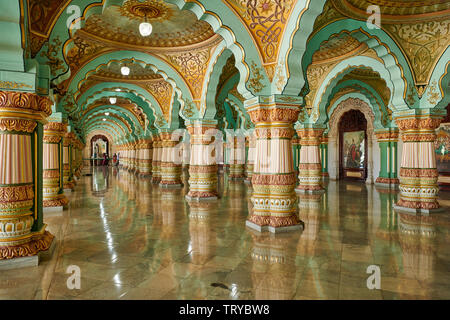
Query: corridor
[[132, 239]]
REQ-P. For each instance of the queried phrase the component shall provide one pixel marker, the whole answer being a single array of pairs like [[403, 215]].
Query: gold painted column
[[202, 166], [145, 158], [274, 199], [250, 156], [132, 157], [310, 167], [54, 198], [67, 163], [170, 162], [156, 170], [22, 232], [418, 172]]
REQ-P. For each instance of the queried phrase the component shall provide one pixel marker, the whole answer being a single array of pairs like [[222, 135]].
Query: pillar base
[[156, 180], [417, 211], [272, 229], [26, 254], [309, 191], [171, 186], [189, 198], [53, 209]]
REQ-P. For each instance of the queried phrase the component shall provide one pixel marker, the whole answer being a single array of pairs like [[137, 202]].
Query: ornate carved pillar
[[203, 166], [22, 231], [237, 157], [387, 140], [274, 200], [156, 170], [418, 172], [54, 198], [170, 162], [250, 156], [68, 163], [310, 168], [186, 150], [145, 161], [132, 158]]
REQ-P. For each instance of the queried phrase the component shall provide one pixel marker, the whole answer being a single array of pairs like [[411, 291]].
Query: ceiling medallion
[[149, 9]]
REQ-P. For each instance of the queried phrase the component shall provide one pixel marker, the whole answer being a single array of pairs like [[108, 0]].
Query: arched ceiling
[[170, 69]]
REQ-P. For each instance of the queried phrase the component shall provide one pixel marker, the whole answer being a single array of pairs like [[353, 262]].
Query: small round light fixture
[[113, 100], [107, 114], [125, 71], [118, 90], [145, 29], [104, 119]]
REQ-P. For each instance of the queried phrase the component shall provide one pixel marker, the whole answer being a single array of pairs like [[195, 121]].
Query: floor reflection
[[135, 240]]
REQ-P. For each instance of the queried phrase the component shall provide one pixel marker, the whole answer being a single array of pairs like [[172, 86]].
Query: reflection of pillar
[[274, 268], [156, 170], [310, 166], [145, 157], [274, 200], [22, 231], [417, 238], [170, 162], [203, 167], [250, 157], [68, 162], [418, 172], [387, 140], [237, 157], [202, 239], [54, 198]]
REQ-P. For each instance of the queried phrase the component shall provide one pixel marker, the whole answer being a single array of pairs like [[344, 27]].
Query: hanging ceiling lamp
[[145, 28], [125, 70], [113, 100]]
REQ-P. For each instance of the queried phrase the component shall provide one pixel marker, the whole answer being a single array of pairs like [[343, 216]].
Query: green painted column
[[388, 140], [324, 155]]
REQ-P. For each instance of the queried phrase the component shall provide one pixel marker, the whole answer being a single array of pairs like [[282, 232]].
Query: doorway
[[353, 146]]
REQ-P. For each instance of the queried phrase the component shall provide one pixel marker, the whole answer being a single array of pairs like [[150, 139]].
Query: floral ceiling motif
[[171, 26], [266, 21], [162, 91]]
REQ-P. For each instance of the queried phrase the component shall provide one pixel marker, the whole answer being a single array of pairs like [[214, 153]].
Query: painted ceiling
[[170, 69]]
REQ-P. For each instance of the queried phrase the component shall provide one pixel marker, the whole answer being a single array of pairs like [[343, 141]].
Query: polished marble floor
[[134, 240]]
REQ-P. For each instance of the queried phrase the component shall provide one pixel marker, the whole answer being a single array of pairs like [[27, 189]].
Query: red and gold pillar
[[274, 199], [156, 163], [68, 163], [203, 166], [22, 231], [170, 162], [237, 158], [250, 156], [418, 172], [310, 167], [54, 198], [145, 158]]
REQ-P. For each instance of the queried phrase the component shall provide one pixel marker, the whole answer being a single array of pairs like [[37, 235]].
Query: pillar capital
[[310, 136], [27, 106], [386, 135]]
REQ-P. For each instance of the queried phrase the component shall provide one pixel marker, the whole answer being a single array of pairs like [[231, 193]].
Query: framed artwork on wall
[[354, 149]]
